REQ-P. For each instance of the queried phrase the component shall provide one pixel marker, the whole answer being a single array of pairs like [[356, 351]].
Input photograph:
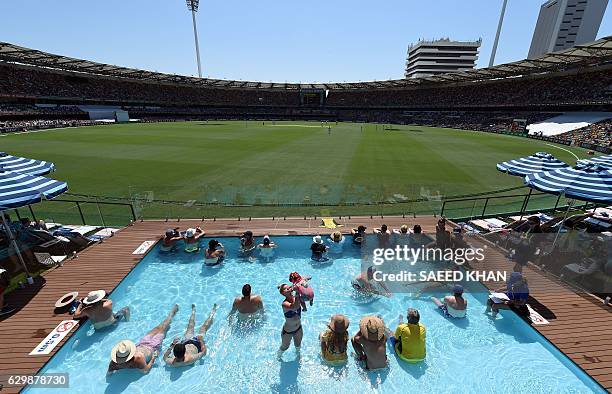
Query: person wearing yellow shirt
[[409, 338]]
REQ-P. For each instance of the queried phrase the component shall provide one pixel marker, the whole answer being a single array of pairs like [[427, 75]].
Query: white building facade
[[426, 58]]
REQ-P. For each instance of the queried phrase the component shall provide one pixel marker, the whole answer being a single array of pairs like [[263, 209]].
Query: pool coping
[[93, 264]]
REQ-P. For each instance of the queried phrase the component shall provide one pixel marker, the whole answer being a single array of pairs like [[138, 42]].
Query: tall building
[[563, 24], [426, 58]]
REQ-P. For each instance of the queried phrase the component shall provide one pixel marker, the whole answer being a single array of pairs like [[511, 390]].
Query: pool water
[[476, 354]]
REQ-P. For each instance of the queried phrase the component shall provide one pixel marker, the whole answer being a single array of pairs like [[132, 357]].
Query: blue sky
[[278, 40]]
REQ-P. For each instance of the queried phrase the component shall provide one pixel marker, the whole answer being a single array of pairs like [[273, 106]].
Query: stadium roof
[[592, 54]]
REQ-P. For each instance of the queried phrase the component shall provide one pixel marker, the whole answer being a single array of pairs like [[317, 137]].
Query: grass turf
[[245, 163]]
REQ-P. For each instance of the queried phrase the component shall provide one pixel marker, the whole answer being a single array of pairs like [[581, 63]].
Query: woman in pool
[[292, 329], [318, 249], [336, 243], [359, 235], [266, 248], [170, 239], [215, 253], [192, 236], [334, 340]]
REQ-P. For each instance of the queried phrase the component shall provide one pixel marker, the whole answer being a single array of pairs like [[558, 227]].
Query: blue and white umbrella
[[585, 182], [24, 165], [537, 162], [18, 190], [605, 161]]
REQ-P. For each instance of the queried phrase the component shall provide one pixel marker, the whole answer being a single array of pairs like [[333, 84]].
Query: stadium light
[[499, 26], [192, 5]]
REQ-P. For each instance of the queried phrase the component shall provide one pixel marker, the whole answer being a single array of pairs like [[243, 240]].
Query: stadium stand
[[39, 89]]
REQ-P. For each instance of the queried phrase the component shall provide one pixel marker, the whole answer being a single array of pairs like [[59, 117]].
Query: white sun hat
[[317, 239], [94, 296], [190, 232], [123, 351]]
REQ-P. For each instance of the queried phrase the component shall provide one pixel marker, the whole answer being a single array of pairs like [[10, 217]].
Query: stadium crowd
[[599, 134]]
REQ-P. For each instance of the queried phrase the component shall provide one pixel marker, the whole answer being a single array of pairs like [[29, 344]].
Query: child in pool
[[303, 288]]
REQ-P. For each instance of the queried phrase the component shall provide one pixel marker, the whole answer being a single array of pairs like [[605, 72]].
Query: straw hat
[[317, 239], [93, 297], [123, 351], [66, 299], [337, 236], [372, 328], [339, 324]]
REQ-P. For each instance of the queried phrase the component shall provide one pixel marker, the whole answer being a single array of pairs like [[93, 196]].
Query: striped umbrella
[[585, 182], [604, 161], [537, 162], [24, 166], [18, 190]]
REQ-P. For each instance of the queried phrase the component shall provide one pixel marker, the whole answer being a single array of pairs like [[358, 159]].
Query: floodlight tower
[[192, 5], [499, 27]]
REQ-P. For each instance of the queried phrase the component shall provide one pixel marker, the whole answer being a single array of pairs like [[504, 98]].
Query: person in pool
[[359, 235], [384, 236], [266, 248], [215, 253], [304, 291], [247, 244], [417, 237], [246, 306], [170, 239], [334, 340], [99, 310], [370, 343], [409, 338], [453, 306], [192, 235], [336, 242], [318, 249], [191, 348], [292, 329], [402, 237], [141, 356], [365, 283]]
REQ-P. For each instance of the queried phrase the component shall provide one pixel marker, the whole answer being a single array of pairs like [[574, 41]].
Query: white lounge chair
[[47, 260]]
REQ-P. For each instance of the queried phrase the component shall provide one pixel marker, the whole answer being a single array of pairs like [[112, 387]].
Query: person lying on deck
[[191, 348], [141, 356], [99, 310]]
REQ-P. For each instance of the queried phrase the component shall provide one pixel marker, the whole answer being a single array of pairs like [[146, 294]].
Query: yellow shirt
[[412, 337]]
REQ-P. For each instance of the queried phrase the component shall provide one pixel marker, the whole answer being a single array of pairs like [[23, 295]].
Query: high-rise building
[[563, 24], [426, 58]]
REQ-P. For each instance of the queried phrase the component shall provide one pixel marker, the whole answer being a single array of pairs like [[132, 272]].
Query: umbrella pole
[[525, 203], [569, 206], [14, 243]]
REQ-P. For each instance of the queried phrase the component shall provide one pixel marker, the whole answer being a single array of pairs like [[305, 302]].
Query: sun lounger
[[47, 260], [329, 223]]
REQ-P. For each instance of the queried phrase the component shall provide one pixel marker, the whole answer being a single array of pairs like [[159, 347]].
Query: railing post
[[133, 212], [81, 212], [484, 209], [32, 212], [443, 206], [100, 212]]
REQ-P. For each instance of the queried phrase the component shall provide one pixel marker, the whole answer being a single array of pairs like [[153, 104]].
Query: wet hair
[[383, 228], [213, 243], [266, 241], [280, 287], [246, 290], [179, 350], [413, 316], [361, 229], [417, 229]]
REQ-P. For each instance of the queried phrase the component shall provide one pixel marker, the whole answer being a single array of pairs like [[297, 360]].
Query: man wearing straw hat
[[99, 310], [370, 342], [141, 356]]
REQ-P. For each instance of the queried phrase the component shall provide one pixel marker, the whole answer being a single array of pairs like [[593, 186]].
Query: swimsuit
[[293, 313], [195, 341]]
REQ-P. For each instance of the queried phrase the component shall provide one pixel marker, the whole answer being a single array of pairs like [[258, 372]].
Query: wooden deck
[[579, 324]]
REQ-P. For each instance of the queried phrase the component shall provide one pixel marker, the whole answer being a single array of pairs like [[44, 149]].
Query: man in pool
[[192, 347], [365, 283], [453, 306], [170, 239], [246, 306], [141, 356], [370, 343], [99, 310]]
